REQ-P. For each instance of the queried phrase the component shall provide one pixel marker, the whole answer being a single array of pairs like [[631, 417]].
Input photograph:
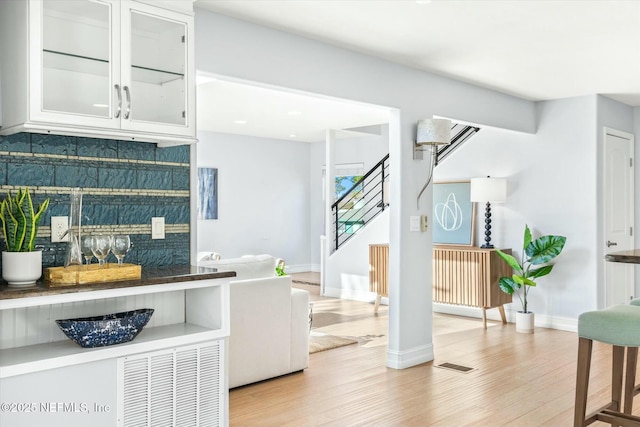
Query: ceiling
[[240, 109], [536, 50]]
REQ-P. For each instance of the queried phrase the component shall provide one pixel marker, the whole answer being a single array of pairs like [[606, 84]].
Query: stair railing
[[365, 200]]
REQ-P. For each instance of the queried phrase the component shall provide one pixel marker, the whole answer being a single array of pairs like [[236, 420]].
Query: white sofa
[[269, 320]]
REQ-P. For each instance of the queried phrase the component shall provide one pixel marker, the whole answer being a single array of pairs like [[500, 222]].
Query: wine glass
[[100, 246], [120, 246], [85, 245]]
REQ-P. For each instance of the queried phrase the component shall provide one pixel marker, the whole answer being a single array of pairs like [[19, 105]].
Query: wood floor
[[518, 379]]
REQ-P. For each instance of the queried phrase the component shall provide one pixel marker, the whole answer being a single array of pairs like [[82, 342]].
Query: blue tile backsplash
[[124, 185]]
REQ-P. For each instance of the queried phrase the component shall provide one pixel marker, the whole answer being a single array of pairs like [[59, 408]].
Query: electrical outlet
[[59, 226], [414, 223], [157, 227]]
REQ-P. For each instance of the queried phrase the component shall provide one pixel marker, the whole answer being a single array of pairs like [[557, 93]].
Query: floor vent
[[454, 367]]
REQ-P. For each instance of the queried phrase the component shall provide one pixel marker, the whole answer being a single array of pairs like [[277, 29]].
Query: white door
[[618, 214]]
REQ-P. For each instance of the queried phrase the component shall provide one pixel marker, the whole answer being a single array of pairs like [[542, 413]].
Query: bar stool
[[619, 326]]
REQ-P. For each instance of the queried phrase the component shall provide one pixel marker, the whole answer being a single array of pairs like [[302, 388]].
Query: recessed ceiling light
[[295, 113], [101, 105], [240, 122], [423, 1], [293, 135]]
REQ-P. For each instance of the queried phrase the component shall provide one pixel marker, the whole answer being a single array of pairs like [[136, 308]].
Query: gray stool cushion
[[618, 325], [635, 301]]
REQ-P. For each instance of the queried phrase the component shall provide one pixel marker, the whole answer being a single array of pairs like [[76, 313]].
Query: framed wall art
[[207, 193], [453, 213]]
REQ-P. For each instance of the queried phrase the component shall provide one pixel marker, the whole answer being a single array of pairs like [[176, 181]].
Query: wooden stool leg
[[484, 317], [582, 381], [616, 378], [630, 379], [377, 304]]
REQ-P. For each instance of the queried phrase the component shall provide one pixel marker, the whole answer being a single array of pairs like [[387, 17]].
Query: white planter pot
[[21, 268], [525, 322]]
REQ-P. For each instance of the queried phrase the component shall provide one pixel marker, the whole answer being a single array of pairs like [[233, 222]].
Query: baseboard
[[354, 295], [407, 358], [542, 321], [298, 268]]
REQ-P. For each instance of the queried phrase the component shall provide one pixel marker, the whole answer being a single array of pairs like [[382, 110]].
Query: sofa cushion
[[246, 267]]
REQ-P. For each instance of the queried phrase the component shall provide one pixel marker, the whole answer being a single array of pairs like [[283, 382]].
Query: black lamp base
[[487, 228]]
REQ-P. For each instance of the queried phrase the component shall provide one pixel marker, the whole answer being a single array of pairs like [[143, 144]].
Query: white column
[[410, 253]]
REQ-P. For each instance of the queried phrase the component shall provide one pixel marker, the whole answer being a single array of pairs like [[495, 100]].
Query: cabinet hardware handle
[[609, 244], [117, 114], [128, 95]]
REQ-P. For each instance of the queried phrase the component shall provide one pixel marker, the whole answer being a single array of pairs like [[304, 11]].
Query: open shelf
[[42, 295], [98, 66], [39, 357]]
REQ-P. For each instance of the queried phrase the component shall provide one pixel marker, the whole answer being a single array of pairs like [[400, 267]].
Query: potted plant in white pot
[[21, 263], [533, 265]]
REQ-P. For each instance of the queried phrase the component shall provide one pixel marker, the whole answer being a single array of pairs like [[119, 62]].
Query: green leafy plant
[[280, 268], [533, 264], [20, 220]]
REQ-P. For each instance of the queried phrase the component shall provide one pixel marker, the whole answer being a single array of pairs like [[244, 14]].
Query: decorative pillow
[[208, 256]]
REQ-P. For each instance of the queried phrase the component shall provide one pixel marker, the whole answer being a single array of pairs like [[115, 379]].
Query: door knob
[[609, 244]]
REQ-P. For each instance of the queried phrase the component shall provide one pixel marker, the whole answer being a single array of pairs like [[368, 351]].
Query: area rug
[[321, 342]]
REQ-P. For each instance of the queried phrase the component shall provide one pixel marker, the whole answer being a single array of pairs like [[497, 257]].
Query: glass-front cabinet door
[[155, 54], [75, 66]]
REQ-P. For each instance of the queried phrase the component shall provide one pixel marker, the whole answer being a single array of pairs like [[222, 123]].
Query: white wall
[[553, 185], [263, 198], [347, 272], [229, 47]]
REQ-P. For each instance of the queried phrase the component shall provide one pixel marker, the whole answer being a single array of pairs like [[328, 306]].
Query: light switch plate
[[157, 227], [59, 226], [423, 223]]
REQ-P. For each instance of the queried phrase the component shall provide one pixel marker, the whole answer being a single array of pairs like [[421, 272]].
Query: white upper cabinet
[[103, 68]]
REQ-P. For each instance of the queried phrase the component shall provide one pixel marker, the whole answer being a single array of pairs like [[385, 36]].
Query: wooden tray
[[92, 273]]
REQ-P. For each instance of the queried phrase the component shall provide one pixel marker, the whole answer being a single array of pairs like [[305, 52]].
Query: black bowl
[[109, 329]]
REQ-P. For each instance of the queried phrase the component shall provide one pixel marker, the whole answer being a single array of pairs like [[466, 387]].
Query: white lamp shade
[[492, 190], [434, 132]]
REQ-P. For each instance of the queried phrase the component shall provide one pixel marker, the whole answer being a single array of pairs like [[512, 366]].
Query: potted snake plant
[[21, 263], [533, 264]]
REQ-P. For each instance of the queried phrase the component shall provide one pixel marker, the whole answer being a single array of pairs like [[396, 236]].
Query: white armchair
[[269, 321]]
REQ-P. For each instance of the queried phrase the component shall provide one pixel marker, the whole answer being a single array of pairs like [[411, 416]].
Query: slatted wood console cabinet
[[469, 276], [379, 271]]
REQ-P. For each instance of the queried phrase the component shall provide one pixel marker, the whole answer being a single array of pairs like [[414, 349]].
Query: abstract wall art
[[207, 193], [453, 213]]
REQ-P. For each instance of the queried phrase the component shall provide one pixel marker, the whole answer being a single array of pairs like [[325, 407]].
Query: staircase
[[360, 203], [369, 197]]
